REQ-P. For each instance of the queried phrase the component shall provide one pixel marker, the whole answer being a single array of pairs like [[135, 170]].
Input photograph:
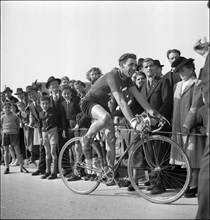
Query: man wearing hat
[[22, 96], [53, 85], [34, 121], [8, 95], [159, 68]]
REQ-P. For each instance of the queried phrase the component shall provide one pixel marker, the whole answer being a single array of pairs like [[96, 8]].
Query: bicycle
[[145, 159]]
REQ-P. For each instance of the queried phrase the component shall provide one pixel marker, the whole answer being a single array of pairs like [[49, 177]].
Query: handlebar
[[148, 120]]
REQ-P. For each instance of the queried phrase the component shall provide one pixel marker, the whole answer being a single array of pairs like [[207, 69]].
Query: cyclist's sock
[[89, 165]]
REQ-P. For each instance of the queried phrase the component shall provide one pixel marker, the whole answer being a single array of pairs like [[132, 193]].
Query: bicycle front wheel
[[74, 169], [153, 172]]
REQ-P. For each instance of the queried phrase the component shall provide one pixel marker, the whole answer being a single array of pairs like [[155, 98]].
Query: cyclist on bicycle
[[95, 104]]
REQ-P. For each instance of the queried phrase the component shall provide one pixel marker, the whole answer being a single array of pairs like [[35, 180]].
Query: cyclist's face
[[129, 67]]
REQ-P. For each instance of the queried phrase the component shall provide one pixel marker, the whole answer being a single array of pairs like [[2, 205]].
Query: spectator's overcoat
[[192, 144]]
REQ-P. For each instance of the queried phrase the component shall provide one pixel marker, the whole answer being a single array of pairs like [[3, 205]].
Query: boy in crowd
[[10, 136], [49, 134], [28, 132]]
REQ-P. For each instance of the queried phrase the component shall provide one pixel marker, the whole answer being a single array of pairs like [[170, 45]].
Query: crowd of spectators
[[36, 124]]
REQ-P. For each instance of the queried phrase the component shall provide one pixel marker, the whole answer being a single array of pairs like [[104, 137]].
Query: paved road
[[28, 197]]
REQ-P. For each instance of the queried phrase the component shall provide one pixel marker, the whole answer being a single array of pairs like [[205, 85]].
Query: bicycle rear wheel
[[154, 174], [76, 165]]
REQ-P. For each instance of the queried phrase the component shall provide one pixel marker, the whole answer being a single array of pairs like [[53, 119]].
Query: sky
[[40, 39]]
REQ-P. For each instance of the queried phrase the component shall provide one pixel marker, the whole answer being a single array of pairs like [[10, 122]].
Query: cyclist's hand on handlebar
[[153, 113], [140, 124], [143, 127], [154, 122]]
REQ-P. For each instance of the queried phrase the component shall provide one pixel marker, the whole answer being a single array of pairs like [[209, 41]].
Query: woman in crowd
[[182, 120]]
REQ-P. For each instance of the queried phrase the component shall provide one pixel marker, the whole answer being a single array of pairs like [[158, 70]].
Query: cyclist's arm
[[141, 100], [114, 84], [123, 105]]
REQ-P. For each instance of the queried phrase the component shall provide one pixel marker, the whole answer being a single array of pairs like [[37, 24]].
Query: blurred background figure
[[80, 88], [139, 79], [8, 95], [64, 81], [139, 64], [202, 48], [159, 68], [93, 74]]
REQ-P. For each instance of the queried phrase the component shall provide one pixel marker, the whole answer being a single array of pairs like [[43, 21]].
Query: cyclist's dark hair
[[126, 56]]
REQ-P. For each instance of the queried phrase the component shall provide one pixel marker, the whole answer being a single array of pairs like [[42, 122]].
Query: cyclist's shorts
[[87, 104]]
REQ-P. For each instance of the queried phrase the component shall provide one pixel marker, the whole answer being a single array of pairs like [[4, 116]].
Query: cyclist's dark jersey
[[110, 82], [100, 92]]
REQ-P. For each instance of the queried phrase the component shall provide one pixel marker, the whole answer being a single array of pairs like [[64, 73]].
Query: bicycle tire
[[150, 162], [66, 163]]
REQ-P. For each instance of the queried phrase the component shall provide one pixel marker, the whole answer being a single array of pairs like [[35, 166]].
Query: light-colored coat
[[183, 102]]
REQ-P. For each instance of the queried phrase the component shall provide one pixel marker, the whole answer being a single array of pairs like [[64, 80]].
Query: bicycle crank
[[107, 175]]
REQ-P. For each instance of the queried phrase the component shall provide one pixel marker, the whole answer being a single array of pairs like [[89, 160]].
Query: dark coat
[[68, 115], [159, 98], [173, 79], [192, 145], [57, 106]]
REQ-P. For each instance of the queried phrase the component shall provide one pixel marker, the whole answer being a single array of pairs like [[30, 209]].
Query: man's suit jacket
[[57, 105], [159, 97], [173, 79], [68, 114]]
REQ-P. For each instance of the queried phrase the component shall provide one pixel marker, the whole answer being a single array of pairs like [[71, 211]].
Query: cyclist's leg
[[110, 143], [101, 118]]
